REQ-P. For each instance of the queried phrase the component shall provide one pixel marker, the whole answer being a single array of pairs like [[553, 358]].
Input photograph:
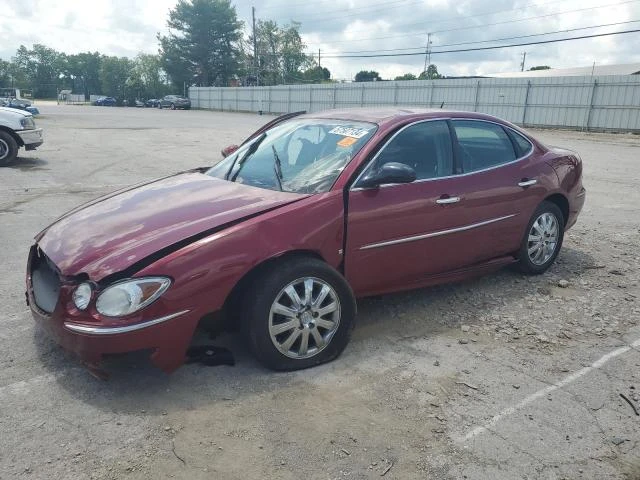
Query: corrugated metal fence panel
[[616, 104], [599, 103]]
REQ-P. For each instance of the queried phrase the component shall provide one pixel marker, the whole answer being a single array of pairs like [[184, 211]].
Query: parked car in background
[[20, 104], [282, 236], [175, 101], [152, 103], [106, 102], [17, 129], [139, 103]]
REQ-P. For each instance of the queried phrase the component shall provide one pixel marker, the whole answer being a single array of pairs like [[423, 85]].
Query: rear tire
[[298, 313], [8, 148], [173, 106], [542, 239]]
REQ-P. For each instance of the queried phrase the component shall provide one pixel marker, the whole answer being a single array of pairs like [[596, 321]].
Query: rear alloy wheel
[[8, 148], [543, 239], [302, 315], [173, 106]]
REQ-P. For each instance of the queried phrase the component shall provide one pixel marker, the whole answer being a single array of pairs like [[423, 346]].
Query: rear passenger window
[[426, 147], [524, 145], [483, 145]]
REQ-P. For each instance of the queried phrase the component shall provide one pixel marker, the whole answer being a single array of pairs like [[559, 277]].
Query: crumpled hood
[[112, 233]]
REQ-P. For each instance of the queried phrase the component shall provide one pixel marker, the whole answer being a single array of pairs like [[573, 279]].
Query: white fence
[[601, 103]]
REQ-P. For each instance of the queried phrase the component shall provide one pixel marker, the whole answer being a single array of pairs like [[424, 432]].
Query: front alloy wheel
[[298, 313], [304, 317]]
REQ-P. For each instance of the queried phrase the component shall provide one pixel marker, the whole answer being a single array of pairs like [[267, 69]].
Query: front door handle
[[447, 200], [525, 182]]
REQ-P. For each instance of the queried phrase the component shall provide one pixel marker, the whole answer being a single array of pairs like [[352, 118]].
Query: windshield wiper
[[252, 148], [277, 167]]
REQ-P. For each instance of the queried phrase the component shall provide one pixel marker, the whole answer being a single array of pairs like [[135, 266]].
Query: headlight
[[27, 123], [82, 296], [131, 295]]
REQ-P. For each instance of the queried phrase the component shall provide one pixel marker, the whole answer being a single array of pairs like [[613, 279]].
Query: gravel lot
[[504, 377]]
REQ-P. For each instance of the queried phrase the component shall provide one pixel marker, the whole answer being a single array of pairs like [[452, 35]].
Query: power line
[[422, 48], [404, 35], [540, 42]]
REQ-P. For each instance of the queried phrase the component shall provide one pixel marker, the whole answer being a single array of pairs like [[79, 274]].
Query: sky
[[128, 27]]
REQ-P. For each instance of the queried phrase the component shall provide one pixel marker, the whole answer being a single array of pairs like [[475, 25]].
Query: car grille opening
[[45, 282]]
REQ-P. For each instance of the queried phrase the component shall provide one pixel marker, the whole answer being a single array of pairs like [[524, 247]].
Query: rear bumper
[[575, 207], [31, 138]]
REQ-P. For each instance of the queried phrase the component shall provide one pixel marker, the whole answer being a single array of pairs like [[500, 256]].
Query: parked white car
[[17, 129]]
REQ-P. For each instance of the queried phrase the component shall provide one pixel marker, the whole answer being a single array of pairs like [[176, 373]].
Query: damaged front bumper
[[91, 336]]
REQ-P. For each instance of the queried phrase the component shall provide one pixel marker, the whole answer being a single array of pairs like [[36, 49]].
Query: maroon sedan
[[283, 235]]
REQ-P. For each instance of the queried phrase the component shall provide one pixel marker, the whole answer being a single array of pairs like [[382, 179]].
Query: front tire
[[8, 148], [542, 239], [173, 106], [299, 313]]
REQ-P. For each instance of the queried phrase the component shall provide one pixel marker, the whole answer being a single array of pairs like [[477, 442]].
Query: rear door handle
[[527, 183], [447, 200]]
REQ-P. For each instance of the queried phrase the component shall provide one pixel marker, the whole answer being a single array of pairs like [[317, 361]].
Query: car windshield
[[301, 156]]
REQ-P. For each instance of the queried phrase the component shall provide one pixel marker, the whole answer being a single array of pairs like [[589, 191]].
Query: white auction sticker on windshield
[[349, 132]]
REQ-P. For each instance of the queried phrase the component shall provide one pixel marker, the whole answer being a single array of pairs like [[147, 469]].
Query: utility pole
[[427, 53], [255, 46], [319, 64], [524, 57]]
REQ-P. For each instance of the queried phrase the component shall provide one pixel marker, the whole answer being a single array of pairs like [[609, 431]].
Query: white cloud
[[127, 27]]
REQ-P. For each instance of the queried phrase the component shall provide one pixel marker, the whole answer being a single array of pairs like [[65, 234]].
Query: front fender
[[205, 272]]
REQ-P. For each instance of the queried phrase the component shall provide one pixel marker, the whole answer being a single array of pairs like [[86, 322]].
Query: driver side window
[[426, 147]]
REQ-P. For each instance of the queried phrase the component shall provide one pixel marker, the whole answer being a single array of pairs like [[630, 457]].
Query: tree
[[281, 57], [5, 74], [367, 76], [540, 67], [146, 78], [406, 76], [38, 69], [317, 74], [82, 73], [431, 73], [114, 72], [202, 47]]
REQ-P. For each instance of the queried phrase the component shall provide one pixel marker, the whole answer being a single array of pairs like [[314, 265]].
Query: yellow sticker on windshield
[[347, 141]]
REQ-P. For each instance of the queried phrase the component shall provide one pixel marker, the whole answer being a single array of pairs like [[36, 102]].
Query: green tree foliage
[[367, 76], [203, 46], [431, 73], [5, 74], [146, 78], [540, 67], [114, 72], [38, 69], [281, 57], [82, 73], [317, 74], [406, 76]]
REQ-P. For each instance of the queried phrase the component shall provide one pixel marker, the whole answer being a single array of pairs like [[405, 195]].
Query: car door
[[501, 184], [398, 234]]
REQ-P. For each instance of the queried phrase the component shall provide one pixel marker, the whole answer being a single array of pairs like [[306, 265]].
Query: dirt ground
[[505, 377]]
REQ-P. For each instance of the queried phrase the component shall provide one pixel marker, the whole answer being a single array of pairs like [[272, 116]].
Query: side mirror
[[226, 151], [392, 172]]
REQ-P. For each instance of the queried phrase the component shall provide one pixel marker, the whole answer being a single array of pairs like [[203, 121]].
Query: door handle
[[527, 183], [447, 200]]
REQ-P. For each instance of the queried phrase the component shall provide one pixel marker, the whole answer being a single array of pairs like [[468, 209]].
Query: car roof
[[385, 115]]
